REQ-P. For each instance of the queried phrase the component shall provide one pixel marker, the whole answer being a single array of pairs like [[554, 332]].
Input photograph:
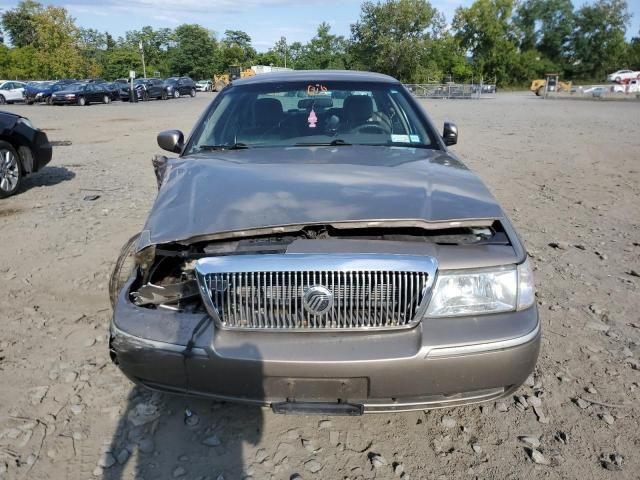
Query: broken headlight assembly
[[482, 291]]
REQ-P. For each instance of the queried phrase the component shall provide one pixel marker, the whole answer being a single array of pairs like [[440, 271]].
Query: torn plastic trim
[[145, 236], [151, 294]]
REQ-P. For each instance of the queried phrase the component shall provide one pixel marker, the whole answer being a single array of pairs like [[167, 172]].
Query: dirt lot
[[568, 174]]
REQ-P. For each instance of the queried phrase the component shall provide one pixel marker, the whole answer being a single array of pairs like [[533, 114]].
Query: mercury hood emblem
[[317, 300]]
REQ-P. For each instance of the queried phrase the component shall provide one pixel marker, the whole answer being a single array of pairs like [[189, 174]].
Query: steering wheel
[[373, 127]]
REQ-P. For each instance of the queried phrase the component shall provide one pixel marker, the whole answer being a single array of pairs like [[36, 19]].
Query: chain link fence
[[453, 89]]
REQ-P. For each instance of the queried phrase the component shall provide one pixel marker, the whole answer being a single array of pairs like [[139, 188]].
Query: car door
[[16, 91], [92, 93]]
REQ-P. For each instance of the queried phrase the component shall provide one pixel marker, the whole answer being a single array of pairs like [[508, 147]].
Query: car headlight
[[476, 292]]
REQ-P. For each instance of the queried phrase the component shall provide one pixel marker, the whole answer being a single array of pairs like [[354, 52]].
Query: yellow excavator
[[555, 85], [235, 72]]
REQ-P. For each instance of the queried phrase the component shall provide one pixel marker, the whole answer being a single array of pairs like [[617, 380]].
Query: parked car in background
[[620, 75], [123, 85], [149, 88], [113, 89], [323, 255], [35, 92], [82, 94], [11, 91], [24, 149], [177, 86], [204, 85]]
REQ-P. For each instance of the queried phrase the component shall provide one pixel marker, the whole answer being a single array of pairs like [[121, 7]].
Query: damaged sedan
[[315, 247]]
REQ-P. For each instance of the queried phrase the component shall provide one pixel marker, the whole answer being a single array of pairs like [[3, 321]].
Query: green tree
[[546, 26], [395, 37], [633, 53], [57, 52], [325, 50], [194, 52], [18, 23], [235, 49], [156, 44], [485, 30], [598, 43], [119, 60]]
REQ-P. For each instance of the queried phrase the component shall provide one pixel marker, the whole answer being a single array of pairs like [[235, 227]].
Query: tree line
[[512, 41]]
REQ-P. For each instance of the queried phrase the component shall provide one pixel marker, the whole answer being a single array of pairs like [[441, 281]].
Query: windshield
[[296, 114], [75, 86]]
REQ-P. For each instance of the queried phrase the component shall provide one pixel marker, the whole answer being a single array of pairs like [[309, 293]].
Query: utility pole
[[144, 68]]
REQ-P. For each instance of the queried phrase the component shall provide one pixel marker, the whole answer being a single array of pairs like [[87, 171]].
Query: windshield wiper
[[231, 146], [332, 143]]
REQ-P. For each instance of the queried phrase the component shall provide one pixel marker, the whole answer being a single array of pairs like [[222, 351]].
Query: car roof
[[316, 76]]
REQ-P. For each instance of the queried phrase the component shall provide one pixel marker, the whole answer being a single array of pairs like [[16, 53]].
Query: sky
[[264, 20]]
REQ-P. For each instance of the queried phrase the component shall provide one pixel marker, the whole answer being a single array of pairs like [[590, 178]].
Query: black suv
[[177, 86], [148, 88]]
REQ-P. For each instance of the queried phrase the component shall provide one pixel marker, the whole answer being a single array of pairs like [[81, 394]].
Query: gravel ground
[[566, 172]]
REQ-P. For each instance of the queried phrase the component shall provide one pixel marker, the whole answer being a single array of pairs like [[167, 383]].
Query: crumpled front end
[[322, 319]]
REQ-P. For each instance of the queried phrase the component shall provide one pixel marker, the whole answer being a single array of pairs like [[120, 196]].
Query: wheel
[[618, 79], [29, 102], [82, 101], [122, 269], [106, 99], [193, 92], [540, 91], [164, 95], [49, 100], [2, 100], [10, 170], [145, 96], [176, 94]]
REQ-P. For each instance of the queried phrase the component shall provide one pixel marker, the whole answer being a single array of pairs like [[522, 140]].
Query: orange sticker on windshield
[[313, 90]]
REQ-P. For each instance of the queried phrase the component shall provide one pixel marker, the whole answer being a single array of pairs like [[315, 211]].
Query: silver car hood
[[244, 192]]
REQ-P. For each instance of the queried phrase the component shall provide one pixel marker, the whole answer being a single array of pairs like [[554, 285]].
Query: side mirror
[[171, 140], [450, 133]]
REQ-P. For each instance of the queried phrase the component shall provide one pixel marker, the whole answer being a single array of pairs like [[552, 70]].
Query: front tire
[[193, 92], [164, 95], [49, 100], [145, 96], [122, 269], [10, 170], [176, 94], [82, 101], [106, 99], [2, 100], [540, 91]]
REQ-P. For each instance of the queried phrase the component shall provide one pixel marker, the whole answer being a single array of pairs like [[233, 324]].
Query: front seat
[[267, 115], [267, 112], [357, 110]]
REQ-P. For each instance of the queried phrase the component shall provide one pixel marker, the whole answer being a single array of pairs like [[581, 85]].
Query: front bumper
[[429, 366]]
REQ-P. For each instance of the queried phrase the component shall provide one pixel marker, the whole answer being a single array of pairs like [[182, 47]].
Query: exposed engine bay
[[165, 273]]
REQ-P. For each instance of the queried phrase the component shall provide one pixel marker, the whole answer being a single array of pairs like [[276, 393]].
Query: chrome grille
[[272, 298]]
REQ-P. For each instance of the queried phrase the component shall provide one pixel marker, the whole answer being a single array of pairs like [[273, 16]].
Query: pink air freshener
[[313, 119]]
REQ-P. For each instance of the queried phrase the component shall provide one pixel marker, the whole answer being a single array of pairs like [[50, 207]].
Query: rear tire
[[10, 170], [193, 92], [2, 100]]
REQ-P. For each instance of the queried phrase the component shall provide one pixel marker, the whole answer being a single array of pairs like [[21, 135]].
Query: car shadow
[[47, 177], [172, 436]]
